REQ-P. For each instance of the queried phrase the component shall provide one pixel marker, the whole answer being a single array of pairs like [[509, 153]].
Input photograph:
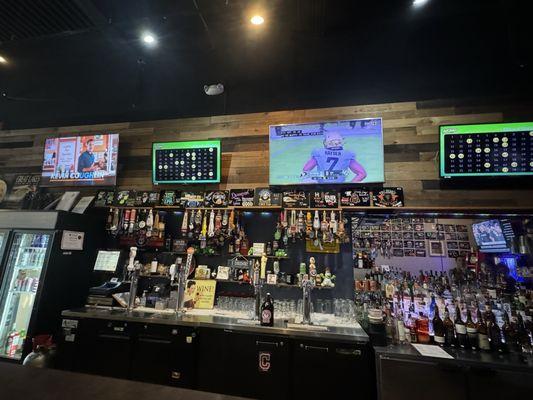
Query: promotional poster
[[327, 152], [81, 160]]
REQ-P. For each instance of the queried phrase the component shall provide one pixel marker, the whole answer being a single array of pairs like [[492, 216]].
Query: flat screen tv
[[80, 161], [503, 150], [337, 152], [490, 236], [186, 162]]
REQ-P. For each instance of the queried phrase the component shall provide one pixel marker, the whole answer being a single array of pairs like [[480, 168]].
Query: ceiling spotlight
[[419, 3], [257, 20], [148, 38], [3, 60]]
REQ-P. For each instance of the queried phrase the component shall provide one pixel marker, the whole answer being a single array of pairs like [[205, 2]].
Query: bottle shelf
[[274, 257], [285, 285], [414, 210]]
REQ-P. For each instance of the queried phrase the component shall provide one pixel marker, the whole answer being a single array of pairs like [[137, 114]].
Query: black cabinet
[[412, 379], [244, 364], [494, 383], [104, 348], [331, 370], [164, 354]]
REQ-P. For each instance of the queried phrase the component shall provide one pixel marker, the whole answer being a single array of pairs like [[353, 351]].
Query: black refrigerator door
[[4, 238], [20, 289]]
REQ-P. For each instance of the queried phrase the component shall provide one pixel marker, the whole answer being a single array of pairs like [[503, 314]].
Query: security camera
[[213, 90]]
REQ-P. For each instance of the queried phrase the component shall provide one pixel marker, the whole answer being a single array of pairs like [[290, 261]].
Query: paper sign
[[429, 350], [72, 240], [67, 201], [82, 204], [200, 294]]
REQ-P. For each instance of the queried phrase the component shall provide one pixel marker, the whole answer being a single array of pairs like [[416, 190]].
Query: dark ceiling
[[82, 61]]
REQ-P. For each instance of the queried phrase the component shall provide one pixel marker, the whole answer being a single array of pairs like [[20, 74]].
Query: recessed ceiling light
[[148, 38], [257, 20], [3, 60], [419, 3]]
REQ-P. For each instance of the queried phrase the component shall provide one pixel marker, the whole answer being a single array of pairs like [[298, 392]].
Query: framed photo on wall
[[436, 248]]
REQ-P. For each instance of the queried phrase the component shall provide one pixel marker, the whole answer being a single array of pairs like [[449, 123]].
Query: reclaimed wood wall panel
[[410, 139]]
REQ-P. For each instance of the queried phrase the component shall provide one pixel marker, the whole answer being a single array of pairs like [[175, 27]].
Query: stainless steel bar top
[[28, 383], [354, 334]]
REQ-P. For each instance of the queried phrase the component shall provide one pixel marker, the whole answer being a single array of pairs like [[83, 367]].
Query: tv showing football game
[[501, 150], [334, 152], [186, 162], [80, 160]]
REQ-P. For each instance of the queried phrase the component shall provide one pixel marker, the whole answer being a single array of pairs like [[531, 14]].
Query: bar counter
[[402, 372], [344, 334], [218, 354]]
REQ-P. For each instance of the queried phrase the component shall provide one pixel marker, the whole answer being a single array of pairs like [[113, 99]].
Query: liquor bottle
[[449, 330], [482, 333], [460, 329], [400, 326], [154, 264], [269, 249], [422, 328], [390, 328], [494, 334], [471, 331], [522, 335], [412, 329], [509, 333], [267, 311], [407, 328], [438, 328]]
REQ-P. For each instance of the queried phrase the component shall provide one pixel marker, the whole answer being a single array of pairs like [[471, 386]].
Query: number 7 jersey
[[332, 164]]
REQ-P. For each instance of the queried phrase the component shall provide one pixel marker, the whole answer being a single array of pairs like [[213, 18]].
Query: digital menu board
[[186, 162], [80, 160], [491, 150]]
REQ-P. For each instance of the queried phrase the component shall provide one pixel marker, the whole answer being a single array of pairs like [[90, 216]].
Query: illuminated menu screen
[[486, 150], [186, 162]]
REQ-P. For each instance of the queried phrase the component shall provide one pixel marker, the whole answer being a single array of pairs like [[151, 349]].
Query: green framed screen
[[486, 150], [186, 162]]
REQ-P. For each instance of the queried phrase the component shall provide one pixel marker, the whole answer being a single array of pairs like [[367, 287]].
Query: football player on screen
[[332, 162]]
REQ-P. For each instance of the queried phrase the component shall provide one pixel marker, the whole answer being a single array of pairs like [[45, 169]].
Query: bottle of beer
[[494, 334], [460, 328], [509, 333], [438, 328], [267, 311], [471, 331], [482, 334], [449, 330]]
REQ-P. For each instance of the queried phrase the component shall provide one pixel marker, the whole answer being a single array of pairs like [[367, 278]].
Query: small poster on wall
[[388, 197], [355, 198], [242, 197]]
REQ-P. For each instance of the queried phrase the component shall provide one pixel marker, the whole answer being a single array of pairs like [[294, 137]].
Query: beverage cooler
[[39, 279]]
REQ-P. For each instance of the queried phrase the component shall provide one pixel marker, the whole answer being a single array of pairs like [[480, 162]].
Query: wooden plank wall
[[410, 135]]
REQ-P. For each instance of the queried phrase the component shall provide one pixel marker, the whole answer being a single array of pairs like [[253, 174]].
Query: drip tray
[[306, 327]]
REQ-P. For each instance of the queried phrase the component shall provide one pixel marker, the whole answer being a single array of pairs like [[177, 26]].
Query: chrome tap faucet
[[256, 280], [307, 287]]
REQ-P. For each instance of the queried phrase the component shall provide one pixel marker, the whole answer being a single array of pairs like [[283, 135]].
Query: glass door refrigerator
[[22, 273], [39, 276]]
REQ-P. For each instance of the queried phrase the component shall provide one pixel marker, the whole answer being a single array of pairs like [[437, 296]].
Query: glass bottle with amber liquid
[[438, 328], [267, 311], [482, 333], [471, 331], [449, 330], [422, 328], [509, 333], [495, 334], [460, 329]]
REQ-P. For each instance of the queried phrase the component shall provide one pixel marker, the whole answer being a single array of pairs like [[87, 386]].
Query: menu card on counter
[[429, 350]]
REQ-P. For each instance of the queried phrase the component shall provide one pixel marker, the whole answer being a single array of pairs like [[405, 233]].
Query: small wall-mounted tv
[[80, 160], [337, 152], [186, 162], [492, 236], [502, 150]]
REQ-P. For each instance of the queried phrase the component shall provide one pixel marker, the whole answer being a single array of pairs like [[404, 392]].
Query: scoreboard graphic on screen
[[486, 150], [186, 162]]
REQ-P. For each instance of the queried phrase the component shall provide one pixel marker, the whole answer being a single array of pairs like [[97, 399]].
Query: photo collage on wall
[[410, 237]]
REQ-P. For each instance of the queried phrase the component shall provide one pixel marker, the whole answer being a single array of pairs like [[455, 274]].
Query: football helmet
[[333, 140]]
